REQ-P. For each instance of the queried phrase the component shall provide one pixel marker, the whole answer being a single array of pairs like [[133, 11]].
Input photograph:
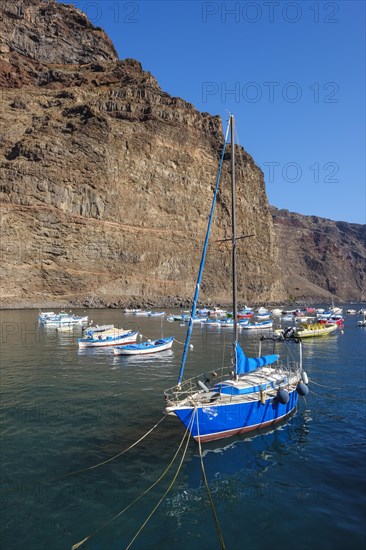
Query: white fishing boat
[[63, 319], [117, 337], [248, 393], [217, 312], [97, 328], [260, 325], [45, 315], [184, 317], [144, 348], [287, 318], [362, 322], [204, 311], [263, 316]]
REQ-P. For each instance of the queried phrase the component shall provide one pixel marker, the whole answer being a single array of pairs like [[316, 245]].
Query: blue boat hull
[[219, 421]]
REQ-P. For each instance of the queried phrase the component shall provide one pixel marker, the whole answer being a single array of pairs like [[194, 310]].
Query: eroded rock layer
[[320, 257], [106, 180]]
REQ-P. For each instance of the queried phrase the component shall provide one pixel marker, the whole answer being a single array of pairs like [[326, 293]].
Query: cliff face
[[106, 181], [320, 257], [46, 32]]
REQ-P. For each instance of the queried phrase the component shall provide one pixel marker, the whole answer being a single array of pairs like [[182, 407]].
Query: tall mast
[[233, 232]]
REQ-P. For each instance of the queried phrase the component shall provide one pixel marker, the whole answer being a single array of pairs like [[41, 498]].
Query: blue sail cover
[[247, 364]]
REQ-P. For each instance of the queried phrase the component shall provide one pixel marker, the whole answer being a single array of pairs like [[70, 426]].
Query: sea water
[[63, 410]]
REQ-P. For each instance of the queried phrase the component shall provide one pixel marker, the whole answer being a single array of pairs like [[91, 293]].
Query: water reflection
[[156, 359]]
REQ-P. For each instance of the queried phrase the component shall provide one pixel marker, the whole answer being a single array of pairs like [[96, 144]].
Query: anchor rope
[[104, 524], [222, 543], [322, 385], [96, 465], [182, 343], [112, 458], [175, 340], [323, 396], [189, 432]]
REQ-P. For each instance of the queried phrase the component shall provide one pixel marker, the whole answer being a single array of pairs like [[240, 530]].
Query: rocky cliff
[[321, 258], [106, 180]]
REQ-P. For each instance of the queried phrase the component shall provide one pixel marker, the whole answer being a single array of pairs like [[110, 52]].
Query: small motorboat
[[306, 330]]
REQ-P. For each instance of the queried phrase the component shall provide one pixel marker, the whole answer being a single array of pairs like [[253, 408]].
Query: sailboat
[[249, 393]]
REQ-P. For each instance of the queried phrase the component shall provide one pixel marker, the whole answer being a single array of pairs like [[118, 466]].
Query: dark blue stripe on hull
[[219, 421]]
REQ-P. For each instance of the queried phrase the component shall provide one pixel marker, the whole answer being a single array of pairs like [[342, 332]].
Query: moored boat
[[245, 314], [63, 319], [97, 328], [362, 322], [337, 319], [249, 393], [109, 338], [217, 312], [143, 348], [306, 330], [261, 325]]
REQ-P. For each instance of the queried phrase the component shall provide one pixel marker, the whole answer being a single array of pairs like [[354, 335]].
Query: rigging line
[[189, 430], [223, 351], [203, 259], [78, 544], [222, 543], [108, 459]]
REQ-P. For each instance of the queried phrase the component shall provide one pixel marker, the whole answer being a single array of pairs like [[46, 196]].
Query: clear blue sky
[[293, 74]]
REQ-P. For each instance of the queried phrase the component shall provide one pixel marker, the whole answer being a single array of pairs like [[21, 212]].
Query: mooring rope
[[189, 431], [321, 385], [222, 543], [108, 459], [323, 396], [182, 343], [104, 524], [175, 340]]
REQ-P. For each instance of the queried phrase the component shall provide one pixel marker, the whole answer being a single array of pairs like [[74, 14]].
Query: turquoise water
[[302, 485]]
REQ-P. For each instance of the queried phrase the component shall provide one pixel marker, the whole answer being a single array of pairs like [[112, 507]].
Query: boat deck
[[264, 381]]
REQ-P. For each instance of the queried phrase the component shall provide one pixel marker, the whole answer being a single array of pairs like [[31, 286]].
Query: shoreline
[[170, 303]]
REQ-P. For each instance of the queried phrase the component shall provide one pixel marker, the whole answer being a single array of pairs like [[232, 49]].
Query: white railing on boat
[[206, 382]]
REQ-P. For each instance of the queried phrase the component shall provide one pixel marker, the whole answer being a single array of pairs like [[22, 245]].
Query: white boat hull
[[104, 342], [142, 351]]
